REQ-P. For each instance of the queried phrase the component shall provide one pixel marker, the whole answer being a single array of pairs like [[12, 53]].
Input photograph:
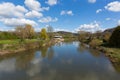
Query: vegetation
[[84, 36], [106, 37], [108, 42], [20, 32], [43, 34], [29, 31], [7, 35], [95, 42], [115, 37]]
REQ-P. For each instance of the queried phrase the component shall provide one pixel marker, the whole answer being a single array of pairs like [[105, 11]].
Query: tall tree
[[29, 30], [43, 34]]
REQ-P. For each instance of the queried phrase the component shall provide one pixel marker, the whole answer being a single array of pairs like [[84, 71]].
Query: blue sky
[[67, 15]]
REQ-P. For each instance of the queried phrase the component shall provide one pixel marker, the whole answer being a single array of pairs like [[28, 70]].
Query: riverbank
[[112, 53], [14, 46]]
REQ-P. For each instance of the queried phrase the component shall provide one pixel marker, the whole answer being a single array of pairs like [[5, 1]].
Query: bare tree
[[29, 31], [50, 31]]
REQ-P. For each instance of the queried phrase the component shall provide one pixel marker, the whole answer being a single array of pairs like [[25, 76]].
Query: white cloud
[[17, 22], [99, 10], [108, 19], [45, 8], [52, 2], [66, 12], [113, 6], [10, 10], [91, 1], [33, 14], [33, 4], [92, 27], [48, 19]]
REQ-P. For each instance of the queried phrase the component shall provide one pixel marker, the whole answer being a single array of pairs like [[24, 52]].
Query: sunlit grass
[[16, 41]]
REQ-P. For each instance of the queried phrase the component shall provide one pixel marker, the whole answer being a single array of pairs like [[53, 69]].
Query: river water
[[63, 61]]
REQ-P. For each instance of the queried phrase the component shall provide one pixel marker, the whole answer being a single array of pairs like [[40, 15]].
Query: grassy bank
[[13, 46], [112, 53], [16, 41]]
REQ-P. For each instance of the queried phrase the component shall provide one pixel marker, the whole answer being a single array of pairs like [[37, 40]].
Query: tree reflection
[[50, 53], [44, 52], [81, 48], [23, 60], [95, 53], [47, 52]]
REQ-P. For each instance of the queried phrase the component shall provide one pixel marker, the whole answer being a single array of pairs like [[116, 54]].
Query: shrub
[[95, 42]]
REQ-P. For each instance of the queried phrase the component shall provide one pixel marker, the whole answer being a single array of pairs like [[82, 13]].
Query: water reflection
[[64, 61], [44, 52], [81, 47], [50, 53], [23, 61]]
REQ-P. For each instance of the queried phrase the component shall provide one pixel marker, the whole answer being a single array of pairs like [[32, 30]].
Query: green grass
[[16, 41], [114, 52], [9, 41], [31, 40]]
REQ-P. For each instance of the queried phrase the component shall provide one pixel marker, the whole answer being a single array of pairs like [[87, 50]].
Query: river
[[63, 61]]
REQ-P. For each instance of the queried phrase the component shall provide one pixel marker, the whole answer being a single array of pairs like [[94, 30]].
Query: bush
[[95, 42], [115, 38], [7, 35]]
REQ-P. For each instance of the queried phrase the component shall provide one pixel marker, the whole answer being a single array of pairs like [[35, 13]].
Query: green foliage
[[95, 42], [43, 34], [15, 41], [7, 35], [115, 37], [83, 36]]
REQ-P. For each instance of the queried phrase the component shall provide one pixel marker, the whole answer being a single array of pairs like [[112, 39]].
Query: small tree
[[83, 36], [43, 34], [29, 30], [115, 37]]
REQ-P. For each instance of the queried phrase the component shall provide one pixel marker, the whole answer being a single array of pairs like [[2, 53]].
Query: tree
[[83, 36], [43, 34], [29, 30], [106, 37], [97, 34], [115, 37], [20, 32], [50, 31]]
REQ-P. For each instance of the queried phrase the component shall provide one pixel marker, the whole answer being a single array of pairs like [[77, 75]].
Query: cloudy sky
[[67, 15]]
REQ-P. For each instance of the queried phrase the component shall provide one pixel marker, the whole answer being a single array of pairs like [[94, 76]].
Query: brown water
[[63, 61]]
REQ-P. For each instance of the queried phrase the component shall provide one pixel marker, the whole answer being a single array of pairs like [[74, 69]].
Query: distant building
[[58, 37]]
